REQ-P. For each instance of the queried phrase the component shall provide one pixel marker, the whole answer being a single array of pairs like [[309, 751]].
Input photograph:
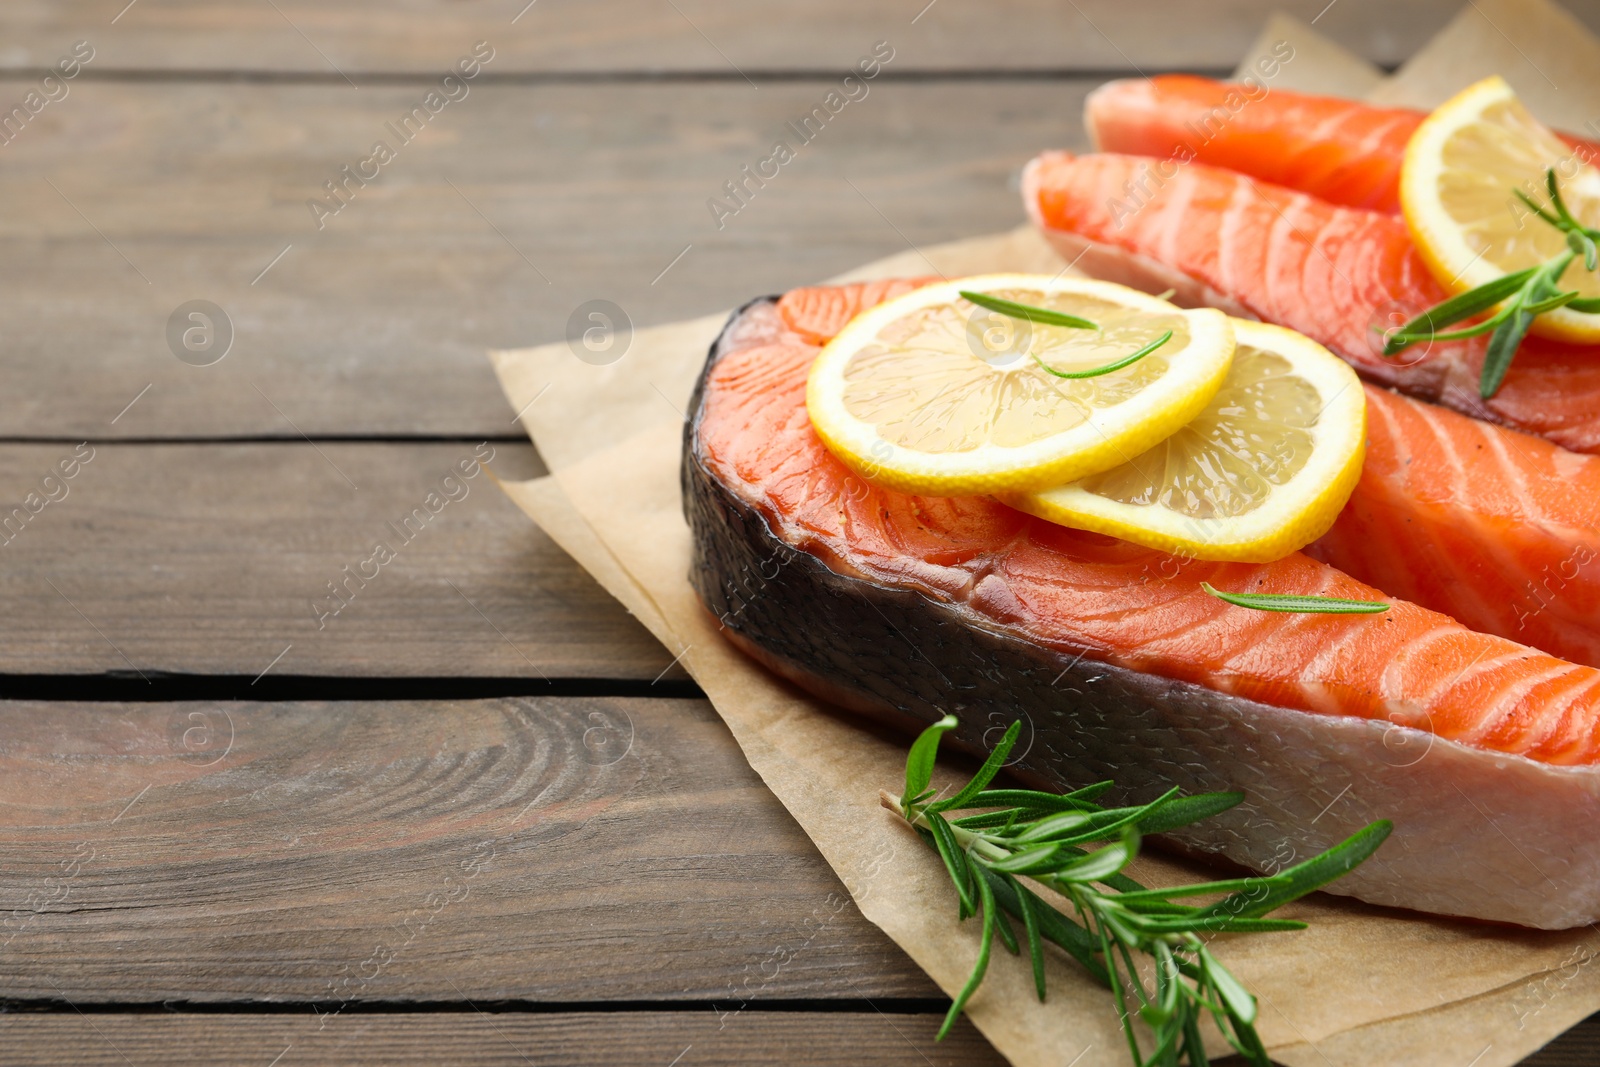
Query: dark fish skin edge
[[904, 659]]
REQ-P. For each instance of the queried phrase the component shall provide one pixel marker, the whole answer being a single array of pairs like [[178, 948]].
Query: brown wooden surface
[[377, 323], [567, 1039], [482, 1039], [545, 850], [305, 878], [699, 36], [214, 558]]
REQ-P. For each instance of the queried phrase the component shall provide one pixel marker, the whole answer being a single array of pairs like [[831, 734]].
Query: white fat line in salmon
[[741, 189], [1251, 89], [452, 488]]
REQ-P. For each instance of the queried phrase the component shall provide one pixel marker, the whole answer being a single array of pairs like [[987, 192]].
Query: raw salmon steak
[[1343, 151], [1483, 751], [1339, 275]]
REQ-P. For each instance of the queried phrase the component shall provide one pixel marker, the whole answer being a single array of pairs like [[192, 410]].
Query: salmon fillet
[[905, 607], [1342, 151], [1338, 275]]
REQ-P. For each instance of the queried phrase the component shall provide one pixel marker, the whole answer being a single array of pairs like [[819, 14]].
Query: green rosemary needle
[[1319, 605], [1522, 295], [1043, 316], [1039, 836], [1046, 317]]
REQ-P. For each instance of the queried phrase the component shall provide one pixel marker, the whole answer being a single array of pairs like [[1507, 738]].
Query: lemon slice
[[1457, 191], [1262, 471], [930, 394]]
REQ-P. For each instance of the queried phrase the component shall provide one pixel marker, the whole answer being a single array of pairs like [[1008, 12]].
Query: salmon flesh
[[1341, 276], [1341, 151]]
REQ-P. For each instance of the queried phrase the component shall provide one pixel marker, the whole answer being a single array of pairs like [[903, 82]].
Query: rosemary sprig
[[1526, 294], [1046, 317], [1319, 605], [1041, 836]]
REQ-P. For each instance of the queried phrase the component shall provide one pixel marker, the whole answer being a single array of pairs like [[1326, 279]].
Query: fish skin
[[905, 607], [1342, 151], [1338, 275]]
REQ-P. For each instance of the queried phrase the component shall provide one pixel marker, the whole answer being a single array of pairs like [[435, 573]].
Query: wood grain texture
[[692, 35], [378, 322], [212, 559], [568, 1039], [553, 850]]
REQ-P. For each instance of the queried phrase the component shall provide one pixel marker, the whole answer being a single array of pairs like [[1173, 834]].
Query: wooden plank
[[568, 1039], [377, 323], [692, 35], [553, 850], [214, 559]]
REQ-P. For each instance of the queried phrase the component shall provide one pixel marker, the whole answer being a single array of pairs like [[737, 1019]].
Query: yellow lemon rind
[[1105, 441], [1298, 512]]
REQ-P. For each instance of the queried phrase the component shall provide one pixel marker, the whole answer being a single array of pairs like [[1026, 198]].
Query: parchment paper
[[1363, 985]]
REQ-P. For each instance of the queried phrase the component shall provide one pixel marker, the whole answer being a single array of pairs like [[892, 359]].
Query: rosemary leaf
[[955, 862], [1054, 927], [1321, 605], [1181, 811], [1295, 882], [1030, 926], [1077, 800], [990, 916], [1551, 303], [1234, 996], [986, 773], [919, 764], [1002, 927], [1472, 302], [1031, 861], [1502, 347], [1193, 1047], [1107, 368], [1043, 316], [1537, 208], [1102, 862]]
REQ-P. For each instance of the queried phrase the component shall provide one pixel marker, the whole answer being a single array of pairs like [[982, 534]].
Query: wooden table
[[477, 815]]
